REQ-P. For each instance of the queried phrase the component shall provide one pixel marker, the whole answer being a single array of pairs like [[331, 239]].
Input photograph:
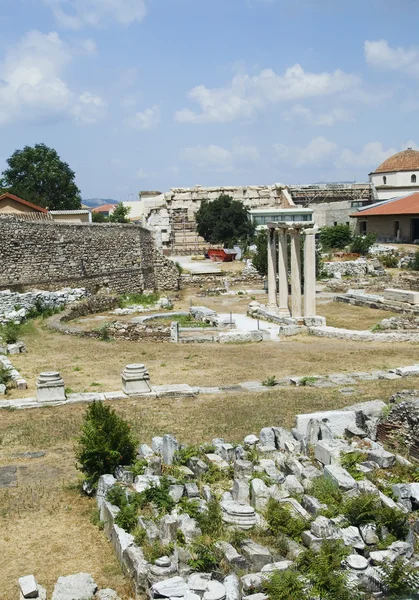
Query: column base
[[315, 321], [284, 312], [272, 308]]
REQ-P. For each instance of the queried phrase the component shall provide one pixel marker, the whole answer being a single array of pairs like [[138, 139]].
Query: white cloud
[[89, 108], [335, 115], [144, 174], [371, 155], [247, 94], [314, 153], [219, 158], [75, 14], [32, 86], [148, 119], [380, 55]]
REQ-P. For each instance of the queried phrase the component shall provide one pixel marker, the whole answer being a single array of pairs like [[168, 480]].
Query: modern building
[[394, 220], [397, 176], [13, 205], [71, 216], [262, 216], [105, 209]]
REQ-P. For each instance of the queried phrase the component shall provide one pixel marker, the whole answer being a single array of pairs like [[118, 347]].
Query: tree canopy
[[37, 174], [120, 214], [224, 221]]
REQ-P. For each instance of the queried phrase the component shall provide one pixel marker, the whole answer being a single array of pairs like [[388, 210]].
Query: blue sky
[[153, 94]]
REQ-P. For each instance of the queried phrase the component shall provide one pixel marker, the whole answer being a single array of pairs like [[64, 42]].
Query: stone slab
[[181, 390], [8, 476], [336, 420]]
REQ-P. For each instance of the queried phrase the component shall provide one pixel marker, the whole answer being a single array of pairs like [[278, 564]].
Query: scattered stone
[[75, 587], [250, 440], [369, 533], [231, 556], [243, 469], [328, 452], [292, 485], [28, 586], [323, 527], [232, 587], [174, 587], [383, 458], [215, 591], [240, 515], [8, 476], [257, 555], [356, 562], [340, 476], [191, 490], [352, 537], [170, 446]]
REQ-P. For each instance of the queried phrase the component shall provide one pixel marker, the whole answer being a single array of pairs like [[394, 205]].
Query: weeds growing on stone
[[281, 520]]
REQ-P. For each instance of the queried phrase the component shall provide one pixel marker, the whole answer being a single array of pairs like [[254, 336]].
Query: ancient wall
[[48, 255]]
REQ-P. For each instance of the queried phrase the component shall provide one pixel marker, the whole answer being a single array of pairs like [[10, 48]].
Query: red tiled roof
[[408, 205], [408, 160], [104, 208], [25, 202]]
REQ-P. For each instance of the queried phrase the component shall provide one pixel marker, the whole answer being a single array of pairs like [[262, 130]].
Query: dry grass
[[94, 365], [45, 523], [352, 317]]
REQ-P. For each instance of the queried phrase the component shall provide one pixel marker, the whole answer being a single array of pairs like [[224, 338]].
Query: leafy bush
[[139, 467], [285, 585], [260, 257], [350, 461], [400, 580], [328, 492], [127, 517], [117, 496], [190, 507], [39, 309], [211, 521], [361, 244], [158, 496], [335, 237], [106, 441], [5, 376], [236, 537], [155, 550], [104, 334], [281, 520], [414, 262], [10, 332], [362, 509], [390, 260], [205, 556], [183, 455], [395, 521], [323, 570]]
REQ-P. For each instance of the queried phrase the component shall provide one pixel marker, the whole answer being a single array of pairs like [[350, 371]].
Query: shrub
[[414, 262], [205, 556], [158, 496], [106, 441], [350, 461], [211, 521], [400, 580], [153, 551], [270, 381], [260, 257], [104, 334], [323, 569], [361, 244], [328, 492], [117, 496], [336, 237], [190, 507], [5, 376], [139, 467], [362, 509], [127, 517], [285, 585], [395, 521], [281, 520], [390, 260], [183, 455], [236, 537], [142, 299], [10, 332]]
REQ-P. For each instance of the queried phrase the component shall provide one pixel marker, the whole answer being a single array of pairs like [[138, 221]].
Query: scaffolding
[[305, 195]]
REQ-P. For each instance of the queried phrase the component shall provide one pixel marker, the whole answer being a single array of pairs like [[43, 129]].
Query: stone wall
[[15, 306], [120, 258]]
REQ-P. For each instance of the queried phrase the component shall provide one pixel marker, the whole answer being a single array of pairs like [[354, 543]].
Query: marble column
[[272, 304], [310, 273], [283, 273], [295, 274]]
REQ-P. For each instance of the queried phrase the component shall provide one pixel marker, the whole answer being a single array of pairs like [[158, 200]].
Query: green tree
[[224, 221], [120, 214], [37, 174], [260, 257], [336, 237], [361, 244], [98, 217], [106, 441]]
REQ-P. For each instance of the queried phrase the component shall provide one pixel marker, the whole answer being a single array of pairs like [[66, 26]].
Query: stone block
[[413, 370], [328, 452], [170, 446], [239, 515], [312, 505], [408, 296], [28, 586], [135, 380], [50, 387], [383, 458], [243, 469], [120, 540], [232, 587], [175, 587], [322, 527], [292, 485], [351, 537], [80, 586], [336, 420], [267, 438], [240, 491], [231, 556], [104, 485], [259, 494], [257, 555], [339, 475]]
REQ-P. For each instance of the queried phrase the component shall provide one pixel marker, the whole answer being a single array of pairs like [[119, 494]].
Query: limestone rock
[[240, 515], [174, 587], [215, 591], [356, 562], [259, 494], [339, 475], [75, 587], [351, 537], [292, 485], [28, 586], [369, 533], [231, 556], [383, 458], [232, 587], [322, 527], [170, 446], [257, 555]]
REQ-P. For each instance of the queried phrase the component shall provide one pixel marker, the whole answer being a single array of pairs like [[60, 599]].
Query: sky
[[154, 94]]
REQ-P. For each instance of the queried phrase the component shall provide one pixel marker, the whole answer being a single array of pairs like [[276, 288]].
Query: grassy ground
[[45, 524], [90, 364]]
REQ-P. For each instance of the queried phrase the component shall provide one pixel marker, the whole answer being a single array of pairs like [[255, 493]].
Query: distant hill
[[98, 201]]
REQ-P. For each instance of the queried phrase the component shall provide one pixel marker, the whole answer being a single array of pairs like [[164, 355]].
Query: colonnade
[[278, 265]]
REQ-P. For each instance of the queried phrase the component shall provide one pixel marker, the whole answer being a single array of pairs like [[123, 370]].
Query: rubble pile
[[221, 521]]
